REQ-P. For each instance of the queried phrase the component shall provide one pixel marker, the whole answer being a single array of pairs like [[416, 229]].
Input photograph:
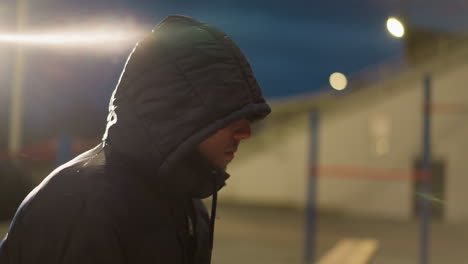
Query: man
[[183, 104]]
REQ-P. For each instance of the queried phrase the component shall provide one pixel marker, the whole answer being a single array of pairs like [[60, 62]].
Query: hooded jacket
[[135, 198]]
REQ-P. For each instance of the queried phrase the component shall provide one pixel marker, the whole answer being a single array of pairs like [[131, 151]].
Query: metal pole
[[16, 101], [311, 216], [425, 213]]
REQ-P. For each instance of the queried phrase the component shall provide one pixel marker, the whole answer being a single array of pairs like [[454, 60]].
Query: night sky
[[293, 47]]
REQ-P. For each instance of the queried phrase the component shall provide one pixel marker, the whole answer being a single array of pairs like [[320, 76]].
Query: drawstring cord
[[213, 217]]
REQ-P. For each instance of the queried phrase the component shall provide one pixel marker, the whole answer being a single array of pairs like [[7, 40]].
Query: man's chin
[[229, 156]]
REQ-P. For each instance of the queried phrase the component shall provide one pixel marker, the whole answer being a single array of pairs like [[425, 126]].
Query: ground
[[271, 235], [256, 235]]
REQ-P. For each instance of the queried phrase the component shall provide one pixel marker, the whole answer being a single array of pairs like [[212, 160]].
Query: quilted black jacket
[[135, 198]]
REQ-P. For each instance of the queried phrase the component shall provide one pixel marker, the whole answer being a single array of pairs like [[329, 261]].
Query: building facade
[[369, 146]]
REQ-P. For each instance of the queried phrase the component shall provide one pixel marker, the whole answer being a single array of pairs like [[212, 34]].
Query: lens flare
[[69, 38], [98, 34]]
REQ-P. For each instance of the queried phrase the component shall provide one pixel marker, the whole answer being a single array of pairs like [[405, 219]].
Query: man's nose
[[243, 132]]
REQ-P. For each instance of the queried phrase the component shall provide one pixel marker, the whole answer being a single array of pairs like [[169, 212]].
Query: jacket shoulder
[[63, 220]]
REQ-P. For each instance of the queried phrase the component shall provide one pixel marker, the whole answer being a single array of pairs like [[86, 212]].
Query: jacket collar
[[199, 175]]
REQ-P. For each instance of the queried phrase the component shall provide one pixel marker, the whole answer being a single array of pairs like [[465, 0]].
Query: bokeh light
[[395, 27], [338, 81]]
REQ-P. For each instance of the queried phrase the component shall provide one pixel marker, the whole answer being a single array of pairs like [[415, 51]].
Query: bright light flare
[[107, 35], [338, 81], [69, 38], [395, 27]]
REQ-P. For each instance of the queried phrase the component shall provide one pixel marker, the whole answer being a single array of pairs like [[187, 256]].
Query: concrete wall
[[361, 135], [348, 138], [450, 141]]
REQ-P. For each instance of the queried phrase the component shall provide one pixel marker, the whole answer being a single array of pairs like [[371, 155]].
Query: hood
[[181, 84]]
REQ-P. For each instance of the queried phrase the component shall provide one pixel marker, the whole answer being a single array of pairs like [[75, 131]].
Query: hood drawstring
[[213, 217]]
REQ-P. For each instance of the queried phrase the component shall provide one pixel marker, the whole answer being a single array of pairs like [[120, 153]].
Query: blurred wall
[[363, 134]]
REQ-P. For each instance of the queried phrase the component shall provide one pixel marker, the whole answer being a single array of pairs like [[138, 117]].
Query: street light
[[395, 27], [16, 105]]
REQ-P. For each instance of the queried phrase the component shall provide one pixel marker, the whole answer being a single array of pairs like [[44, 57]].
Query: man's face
[[220, 147]]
